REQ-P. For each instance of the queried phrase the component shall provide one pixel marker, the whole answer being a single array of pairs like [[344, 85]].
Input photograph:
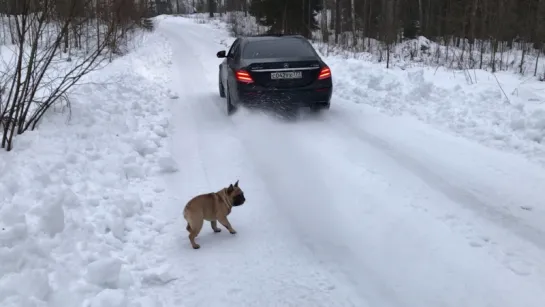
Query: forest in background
[[494, 35], [467, 34]]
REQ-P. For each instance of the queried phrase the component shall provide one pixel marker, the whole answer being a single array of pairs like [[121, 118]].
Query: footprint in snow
[[519, 267], [479, 242], [476, 244]]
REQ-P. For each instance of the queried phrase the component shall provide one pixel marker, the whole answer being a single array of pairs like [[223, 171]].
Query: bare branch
[[39, 74]]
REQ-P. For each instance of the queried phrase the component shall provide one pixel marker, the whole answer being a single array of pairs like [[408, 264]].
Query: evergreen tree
[[287, 16]]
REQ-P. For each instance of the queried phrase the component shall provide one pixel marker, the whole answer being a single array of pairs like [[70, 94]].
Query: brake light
[[324, 73], [243, 76]]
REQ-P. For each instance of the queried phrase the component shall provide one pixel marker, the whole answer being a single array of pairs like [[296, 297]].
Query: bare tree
[[38, 76]]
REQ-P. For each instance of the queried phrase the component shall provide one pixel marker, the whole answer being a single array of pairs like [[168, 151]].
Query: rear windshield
[[277, 48]]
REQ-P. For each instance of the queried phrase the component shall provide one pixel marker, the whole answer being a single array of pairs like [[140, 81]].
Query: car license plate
[[287, 75]]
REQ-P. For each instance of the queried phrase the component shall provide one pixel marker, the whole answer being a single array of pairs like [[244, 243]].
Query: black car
[[274, 72]]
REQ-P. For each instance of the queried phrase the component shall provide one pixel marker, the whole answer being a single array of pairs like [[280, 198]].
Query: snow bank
[[500, 110], [236, 22], [75, 192]]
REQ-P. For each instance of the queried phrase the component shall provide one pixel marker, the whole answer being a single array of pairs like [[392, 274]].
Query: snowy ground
[[74, 193], [355, 208]]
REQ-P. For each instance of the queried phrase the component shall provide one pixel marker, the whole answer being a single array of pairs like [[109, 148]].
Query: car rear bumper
[[307, 97]]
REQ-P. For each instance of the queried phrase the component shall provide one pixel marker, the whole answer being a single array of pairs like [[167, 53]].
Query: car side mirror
[[221, 54]]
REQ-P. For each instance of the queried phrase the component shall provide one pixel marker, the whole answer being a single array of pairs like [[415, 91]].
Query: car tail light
[[324, 73], [243, 76]]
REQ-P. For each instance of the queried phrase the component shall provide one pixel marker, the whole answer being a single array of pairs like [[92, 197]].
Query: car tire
[[221, 88], [230, 107]]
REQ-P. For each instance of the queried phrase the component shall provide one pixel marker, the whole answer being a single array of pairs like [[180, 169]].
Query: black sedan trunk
[[284, 73]]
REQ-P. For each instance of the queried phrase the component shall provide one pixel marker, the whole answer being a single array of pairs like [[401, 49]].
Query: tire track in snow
[[263, 253], [303, 196], [458, 195], [285, 195], [514, 244], [449, 273], [215, 116], [451, 190]]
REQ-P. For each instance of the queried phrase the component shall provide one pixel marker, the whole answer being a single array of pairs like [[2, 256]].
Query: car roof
[[270, 37], [245, 40]]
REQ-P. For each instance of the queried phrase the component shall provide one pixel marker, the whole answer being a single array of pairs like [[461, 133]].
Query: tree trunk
[[338, 14], [420, 15], [324, 25], [245, 7], [353, 17]]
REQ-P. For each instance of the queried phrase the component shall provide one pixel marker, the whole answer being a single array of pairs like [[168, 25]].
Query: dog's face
[[236, 194]]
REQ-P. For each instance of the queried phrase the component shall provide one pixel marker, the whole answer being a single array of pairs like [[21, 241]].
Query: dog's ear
[[230, 189], [236, 184]]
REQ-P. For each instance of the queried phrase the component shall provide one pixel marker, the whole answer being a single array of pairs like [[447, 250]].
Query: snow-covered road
[[352, 208]]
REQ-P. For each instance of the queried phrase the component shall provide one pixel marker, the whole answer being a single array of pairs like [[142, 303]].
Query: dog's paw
[[196, 246], [217, 230], [233, 231]]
